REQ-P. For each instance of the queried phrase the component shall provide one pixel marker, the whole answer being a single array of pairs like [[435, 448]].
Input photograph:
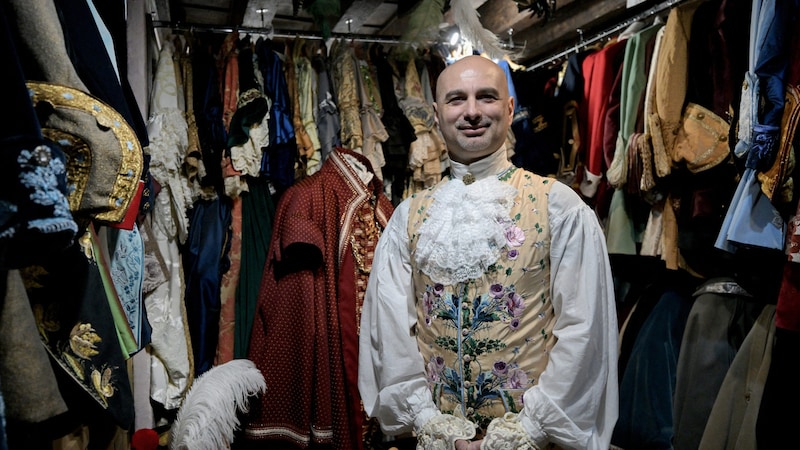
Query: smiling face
[[473, 108]]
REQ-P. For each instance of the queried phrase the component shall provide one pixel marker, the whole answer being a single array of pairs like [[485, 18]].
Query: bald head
[[473, 108], [470, 67]]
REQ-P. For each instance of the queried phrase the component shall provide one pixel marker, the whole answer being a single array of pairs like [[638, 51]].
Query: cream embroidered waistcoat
[[485, 341]]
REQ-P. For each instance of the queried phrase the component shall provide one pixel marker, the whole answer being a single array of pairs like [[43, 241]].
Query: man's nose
[[471, 110]]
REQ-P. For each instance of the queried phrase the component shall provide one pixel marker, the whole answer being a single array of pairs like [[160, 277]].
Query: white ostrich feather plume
[[208, 417], [471, 29]]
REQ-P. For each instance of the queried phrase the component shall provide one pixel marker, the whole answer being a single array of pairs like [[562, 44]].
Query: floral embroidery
[[485, 338], [515, 236], [40, 171], [501, 305]]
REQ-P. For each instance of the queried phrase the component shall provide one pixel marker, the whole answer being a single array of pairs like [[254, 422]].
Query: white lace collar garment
[[465, 231]]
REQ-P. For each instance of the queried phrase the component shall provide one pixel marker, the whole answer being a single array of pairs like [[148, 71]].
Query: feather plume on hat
[[208, 417]]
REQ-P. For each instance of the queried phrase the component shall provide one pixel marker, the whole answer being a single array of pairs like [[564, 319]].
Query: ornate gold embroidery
[[75, 365], [366, 232], [79, 163], [82, 340], [132, 161], [102, 383], [85, 242]]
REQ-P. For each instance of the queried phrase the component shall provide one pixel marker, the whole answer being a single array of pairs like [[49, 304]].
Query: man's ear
[[511, 106]]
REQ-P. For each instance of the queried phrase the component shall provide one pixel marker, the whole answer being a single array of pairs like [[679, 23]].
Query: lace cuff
[[507, 433], [441, 432]]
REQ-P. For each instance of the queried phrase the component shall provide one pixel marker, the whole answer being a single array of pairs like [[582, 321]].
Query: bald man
[[489, 319]]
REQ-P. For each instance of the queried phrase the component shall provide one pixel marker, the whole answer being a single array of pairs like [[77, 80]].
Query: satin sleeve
[[575, 403], [391, 373]]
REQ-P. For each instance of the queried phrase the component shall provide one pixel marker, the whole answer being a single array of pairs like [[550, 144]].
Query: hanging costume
[[305, 334], [164, 231], [84, 328]]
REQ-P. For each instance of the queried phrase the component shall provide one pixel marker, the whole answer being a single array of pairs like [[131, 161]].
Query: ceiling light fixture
[[454, 37]]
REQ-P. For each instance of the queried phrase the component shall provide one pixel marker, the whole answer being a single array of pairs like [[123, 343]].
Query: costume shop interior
[[193, 193]]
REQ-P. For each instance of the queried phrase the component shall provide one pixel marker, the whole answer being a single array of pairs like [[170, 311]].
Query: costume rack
[[604, 34], [268, 31]]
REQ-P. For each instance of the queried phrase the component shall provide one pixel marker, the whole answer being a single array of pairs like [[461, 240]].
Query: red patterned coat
[[305, 333]]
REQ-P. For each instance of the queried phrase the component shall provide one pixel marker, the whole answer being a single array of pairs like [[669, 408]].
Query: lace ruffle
[[464, 232], [506, 433], [441, 432]]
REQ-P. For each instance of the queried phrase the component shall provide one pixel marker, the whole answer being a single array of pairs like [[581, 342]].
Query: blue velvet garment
[[203, 265], [281, 129], [208, 114], [648, 384], [776, 24], [277, 163], [751, 219]]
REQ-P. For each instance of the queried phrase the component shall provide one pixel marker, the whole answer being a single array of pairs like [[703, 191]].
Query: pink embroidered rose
[[515, 236], [517, 379]]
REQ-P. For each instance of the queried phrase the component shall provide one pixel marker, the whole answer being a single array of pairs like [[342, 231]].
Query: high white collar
[[490, 166]]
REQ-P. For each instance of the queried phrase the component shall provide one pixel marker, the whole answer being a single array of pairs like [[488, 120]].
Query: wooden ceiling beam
[[355, 15], [562, 31], [237, 10], [259, 13], [499, 16]]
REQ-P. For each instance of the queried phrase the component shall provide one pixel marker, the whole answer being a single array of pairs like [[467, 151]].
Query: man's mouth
[[473, 131]]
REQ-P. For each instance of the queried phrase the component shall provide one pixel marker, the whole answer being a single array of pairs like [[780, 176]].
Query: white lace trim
[[464, 232], [441, 432], [506, 433], [168, 144]]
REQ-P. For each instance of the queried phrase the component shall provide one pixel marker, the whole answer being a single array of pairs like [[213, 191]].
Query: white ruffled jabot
[[464, 233]]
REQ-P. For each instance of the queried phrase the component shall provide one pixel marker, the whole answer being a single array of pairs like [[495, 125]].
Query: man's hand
[[462, 444]]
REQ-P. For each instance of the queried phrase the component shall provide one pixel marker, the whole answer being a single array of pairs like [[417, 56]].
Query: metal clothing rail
[[273, 33], [605, 33]]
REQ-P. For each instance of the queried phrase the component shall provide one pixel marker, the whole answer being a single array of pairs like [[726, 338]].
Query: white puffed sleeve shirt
[[575, 403]]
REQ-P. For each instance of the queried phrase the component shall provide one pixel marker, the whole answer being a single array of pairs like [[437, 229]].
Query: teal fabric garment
[[258, 212], [622, 236], [634, 81]]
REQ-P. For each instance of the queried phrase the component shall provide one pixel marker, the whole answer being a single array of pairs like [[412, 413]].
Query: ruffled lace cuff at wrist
[[441, 432], [506, 433]]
